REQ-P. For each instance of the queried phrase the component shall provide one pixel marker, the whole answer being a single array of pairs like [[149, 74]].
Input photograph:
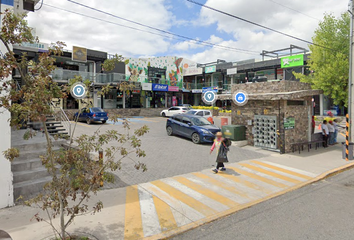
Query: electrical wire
[[164, 31], [256, 24], [280, 4], [39, 6]]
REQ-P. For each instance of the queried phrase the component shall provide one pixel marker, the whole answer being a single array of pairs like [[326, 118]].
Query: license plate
[[102, 119]]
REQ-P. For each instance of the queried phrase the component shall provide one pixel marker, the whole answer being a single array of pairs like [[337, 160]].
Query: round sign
[[240, 98], [78, 90], [209, 97]]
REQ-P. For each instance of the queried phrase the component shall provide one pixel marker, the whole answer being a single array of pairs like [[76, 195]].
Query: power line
[[253, 23], [280, 4], [164, 31]]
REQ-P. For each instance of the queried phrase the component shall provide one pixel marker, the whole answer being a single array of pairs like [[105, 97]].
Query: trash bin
[[350, 148], [224, 121], [234, 132]]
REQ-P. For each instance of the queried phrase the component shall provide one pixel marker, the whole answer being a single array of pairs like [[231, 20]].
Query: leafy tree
[[76, 176], [329, 60]]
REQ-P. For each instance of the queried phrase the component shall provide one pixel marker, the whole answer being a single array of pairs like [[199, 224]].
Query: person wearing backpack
[[222, 147]]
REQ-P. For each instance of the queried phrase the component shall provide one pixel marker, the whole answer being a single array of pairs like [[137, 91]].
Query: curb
[[209, 219]]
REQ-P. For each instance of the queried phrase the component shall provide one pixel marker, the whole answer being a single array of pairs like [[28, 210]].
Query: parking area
[[166, 156]]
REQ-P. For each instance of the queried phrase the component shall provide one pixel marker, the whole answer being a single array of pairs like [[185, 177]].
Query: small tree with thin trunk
[[76, 176]]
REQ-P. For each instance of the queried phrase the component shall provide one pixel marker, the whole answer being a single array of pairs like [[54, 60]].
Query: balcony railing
[[62, 74]]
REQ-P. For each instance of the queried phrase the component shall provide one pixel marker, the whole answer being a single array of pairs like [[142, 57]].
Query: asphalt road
[[323, 210], [166, 156]]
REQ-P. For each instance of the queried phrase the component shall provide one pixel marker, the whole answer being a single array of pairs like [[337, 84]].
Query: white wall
[[6, 186]]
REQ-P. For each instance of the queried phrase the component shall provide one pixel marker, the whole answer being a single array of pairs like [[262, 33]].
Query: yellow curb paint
[[165, 215], [196, 224], [273, 174], [262, 179], [207, 192], [245, 182], [221, 185], [133, 222], [195, 204], [342, 134], [282, 170]]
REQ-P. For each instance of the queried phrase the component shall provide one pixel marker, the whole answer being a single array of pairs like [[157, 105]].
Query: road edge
[[209, 219]]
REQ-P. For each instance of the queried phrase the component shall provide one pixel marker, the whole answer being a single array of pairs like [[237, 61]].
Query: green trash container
[[234, 132]]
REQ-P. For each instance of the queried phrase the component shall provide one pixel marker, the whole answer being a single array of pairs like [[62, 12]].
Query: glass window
[[200, 121], [200, 113], [185, 109], [96, 110], [178, 118], [207, 113], [186, 120], [192, 112]]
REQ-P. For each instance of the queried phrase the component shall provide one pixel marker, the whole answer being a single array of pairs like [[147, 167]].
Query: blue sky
[[184, 18]]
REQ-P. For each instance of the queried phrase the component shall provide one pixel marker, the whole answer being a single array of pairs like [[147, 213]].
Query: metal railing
[[62, 74], [61, 117]]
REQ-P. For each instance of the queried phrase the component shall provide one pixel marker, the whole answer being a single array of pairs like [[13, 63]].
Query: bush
[[205, 107]]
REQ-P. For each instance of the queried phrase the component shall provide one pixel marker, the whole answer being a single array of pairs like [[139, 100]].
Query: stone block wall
[[271, 87]]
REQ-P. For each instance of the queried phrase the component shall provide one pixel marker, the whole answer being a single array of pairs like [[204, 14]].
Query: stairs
[[29, 176], [54, 127]]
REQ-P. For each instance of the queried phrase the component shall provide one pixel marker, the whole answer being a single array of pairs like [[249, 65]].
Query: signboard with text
[[212, 89], [292, 61], [210, 69], [79, 54], [159, 87], [231, 71], [289, 123], [192, 71]]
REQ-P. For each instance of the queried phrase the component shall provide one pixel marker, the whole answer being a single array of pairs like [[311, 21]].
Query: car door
[[186, 128], [170, 112], [207, 114], [176, 126], [200, 113], [82, 116]]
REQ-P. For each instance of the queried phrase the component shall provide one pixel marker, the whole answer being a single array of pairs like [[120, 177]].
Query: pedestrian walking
[[331, 132], [336, 127], [325, 133], [221, 145]]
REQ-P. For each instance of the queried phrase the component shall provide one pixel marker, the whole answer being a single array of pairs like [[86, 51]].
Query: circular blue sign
[[209, 97], [78, 90], [240, 98]]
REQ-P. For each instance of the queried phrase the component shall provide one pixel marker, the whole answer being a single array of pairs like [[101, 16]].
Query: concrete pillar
[[321, 105], [123, 99]]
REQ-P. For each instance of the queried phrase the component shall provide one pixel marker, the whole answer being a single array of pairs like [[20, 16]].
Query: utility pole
[[351, 73]]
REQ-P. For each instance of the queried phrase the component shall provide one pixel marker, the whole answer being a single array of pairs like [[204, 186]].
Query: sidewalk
[[164, 207]]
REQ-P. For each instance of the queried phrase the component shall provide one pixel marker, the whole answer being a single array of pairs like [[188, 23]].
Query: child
[[222, 147]]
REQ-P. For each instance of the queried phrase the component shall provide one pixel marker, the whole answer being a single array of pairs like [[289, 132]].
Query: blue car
[[90, 115], [193, 127]]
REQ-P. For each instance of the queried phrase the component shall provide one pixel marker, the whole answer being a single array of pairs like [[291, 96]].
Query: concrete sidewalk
[[165, 207]]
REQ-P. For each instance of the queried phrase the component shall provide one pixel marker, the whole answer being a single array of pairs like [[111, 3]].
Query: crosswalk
[[165, 205]]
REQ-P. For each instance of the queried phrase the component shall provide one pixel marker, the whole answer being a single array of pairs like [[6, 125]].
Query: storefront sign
[[146, 86], [173, 89], [41, 47], [210, 69], [159, 87], [79, 54], [292, 61], [289, 123], [231, 71], [192, 71], [207, 89], [197, 90]]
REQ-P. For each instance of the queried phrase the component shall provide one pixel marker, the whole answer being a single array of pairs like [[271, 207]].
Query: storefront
[[174, 97], [197, 97], [158, 98]]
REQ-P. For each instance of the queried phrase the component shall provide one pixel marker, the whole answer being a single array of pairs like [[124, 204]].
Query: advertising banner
[[146, 86], [192, 71], [210, 69], [173, 89], [79, 54], [212, 89], [197, 90], [231, 71], [292, 61], [159, 87]]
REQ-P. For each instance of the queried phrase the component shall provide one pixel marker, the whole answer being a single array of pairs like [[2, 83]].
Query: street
[[166, 156], [322, 210]]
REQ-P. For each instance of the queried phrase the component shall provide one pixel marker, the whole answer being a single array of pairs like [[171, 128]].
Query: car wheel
[[164, 114], [169, 131], [104, 122], [88, 121], [195, 138]]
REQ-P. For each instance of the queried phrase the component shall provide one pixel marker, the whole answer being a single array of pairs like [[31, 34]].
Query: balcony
[[61, 75], [111, 77]]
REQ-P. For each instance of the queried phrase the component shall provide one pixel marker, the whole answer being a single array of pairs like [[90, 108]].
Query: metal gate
[[265, 131]]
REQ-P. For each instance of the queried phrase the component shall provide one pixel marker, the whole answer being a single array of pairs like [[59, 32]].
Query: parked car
[[200, 112], [173, 110], [193, 127], [90, 115]]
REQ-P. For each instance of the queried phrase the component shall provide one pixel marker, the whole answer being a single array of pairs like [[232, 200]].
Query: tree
[[75, 174], [329, 60]]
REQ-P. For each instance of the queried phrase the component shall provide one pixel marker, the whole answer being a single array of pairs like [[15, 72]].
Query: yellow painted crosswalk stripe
[[200, 207], [206, 192], [283, 170], [221, 184], [273, 174], [133, 222], [164, 212], [260, 178]]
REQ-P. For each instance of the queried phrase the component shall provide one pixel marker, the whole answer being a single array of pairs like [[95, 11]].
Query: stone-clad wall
[[271, 87]]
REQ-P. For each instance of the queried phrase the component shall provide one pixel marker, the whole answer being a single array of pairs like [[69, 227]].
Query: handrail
[[63, 118]]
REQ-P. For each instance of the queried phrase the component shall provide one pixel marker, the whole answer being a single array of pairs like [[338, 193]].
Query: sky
[[106, 31]]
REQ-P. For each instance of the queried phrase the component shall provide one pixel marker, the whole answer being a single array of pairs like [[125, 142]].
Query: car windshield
[[97, 110], [200, 121]]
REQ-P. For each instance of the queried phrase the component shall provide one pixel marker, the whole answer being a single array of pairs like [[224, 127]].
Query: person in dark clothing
[[325, 133], [222, 146]]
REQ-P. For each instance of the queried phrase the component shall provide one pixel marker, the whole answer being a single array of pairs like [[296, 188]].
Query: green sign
[[289, 123], [210, 69], [292, 61]]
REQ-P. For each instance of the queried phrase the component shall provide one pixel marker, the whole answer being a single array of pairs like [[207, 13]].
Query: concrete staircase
[[29, 176]]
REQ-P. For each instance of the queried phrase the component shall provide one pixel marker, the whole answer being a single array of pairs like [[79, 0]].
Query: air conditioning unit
[[28, 5]]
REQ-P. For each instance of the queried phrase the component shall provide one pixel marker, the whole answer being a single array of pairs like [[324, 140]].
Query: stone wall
[[123, 112], [271, 87]]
